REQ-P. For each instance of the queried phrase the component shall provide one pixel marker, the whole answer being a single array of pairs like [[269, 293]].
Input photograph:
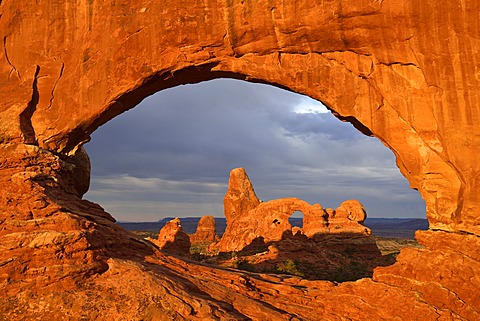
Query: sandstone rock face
[[206, 231], [406, 72], [268, 221], [49, 237], [348, 217], [240, 196], [375, 64], [173, 239]]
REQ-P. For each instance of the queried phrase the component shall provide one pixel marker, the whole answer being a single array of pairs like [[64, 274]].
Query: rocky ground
[[323, 259]]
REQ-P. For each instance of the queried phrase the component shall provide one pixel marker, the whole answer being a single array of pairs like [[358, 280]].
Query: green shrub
[[199, 248], [289, 267]]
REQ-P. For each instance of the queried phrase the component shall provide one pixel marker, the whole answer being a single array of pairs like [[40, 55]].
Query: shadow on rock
[[333, 257]]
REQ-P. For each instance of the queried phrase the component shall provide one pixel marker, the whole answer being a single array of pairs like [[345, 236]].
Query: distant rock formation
[[240, 197], [206, 231], [349, 216], [172, 239], [249, 219]]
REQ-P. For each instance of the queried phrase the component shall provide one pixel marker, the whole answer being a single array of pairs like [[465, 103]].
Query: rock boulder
[[173, 239], [206, 232]]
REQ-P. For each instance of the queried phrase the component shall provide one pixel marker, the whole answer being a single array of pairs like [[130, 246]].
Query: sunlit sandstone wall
[[407, 72]]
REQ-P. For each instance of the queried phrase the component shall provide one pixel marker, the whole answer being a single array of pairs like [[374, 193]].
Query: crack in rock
[[14, 69], [403, 64], [52, 95], [26, 126]]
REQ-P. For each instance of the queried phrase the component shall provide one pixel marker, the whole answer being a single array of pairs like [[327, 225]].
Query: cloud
[[149, 199], [309, 106], [172, 154]]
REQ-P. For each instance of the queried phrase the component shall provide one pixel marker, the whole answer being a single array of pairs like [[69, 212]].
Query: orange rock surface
[[206, 232], [406, 72], [269, 220], [172, 238]]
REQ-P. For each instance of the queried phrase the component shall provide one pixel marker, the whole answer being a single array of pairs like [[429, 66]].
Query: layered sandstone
[[405, 72], [269, 222]]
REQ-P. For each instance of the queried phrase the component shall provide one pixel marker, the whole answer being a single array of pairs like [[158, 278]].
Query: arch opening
[[289, 128], [170, 163], [296, 219]]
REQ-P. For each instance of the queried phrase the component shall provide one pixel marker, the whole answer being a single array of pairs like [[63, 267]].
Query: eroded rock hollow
[[406, 72]]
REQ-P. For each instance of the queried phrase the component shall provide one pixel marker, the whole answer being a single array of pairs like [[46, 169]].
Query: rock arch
[[406, 73], [269, 220], [385, 83], [248, 218]]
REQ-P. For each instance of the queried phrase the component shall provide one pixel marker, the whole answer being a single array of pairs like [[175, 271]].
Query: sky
[[171, 155]]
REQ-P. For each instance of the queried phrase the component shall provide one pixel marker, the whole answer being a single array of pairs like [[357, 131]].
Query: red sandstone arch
[[249, 219], [381, 76], [406, 73], [269, 220]]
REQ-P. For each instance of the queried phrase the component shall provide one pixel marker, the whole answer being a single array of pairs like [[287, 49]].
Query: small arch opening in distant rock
[[296, 219]]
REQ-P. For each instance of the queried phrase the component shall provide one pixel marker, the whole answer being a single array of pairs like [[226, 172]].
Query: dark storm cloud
[[200, 127], [172, 154]]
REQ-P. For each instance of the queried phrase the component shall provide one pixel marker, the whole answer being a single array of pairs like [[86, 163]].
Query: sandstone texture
[[172, 238], [406, 72], [268, 221]]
